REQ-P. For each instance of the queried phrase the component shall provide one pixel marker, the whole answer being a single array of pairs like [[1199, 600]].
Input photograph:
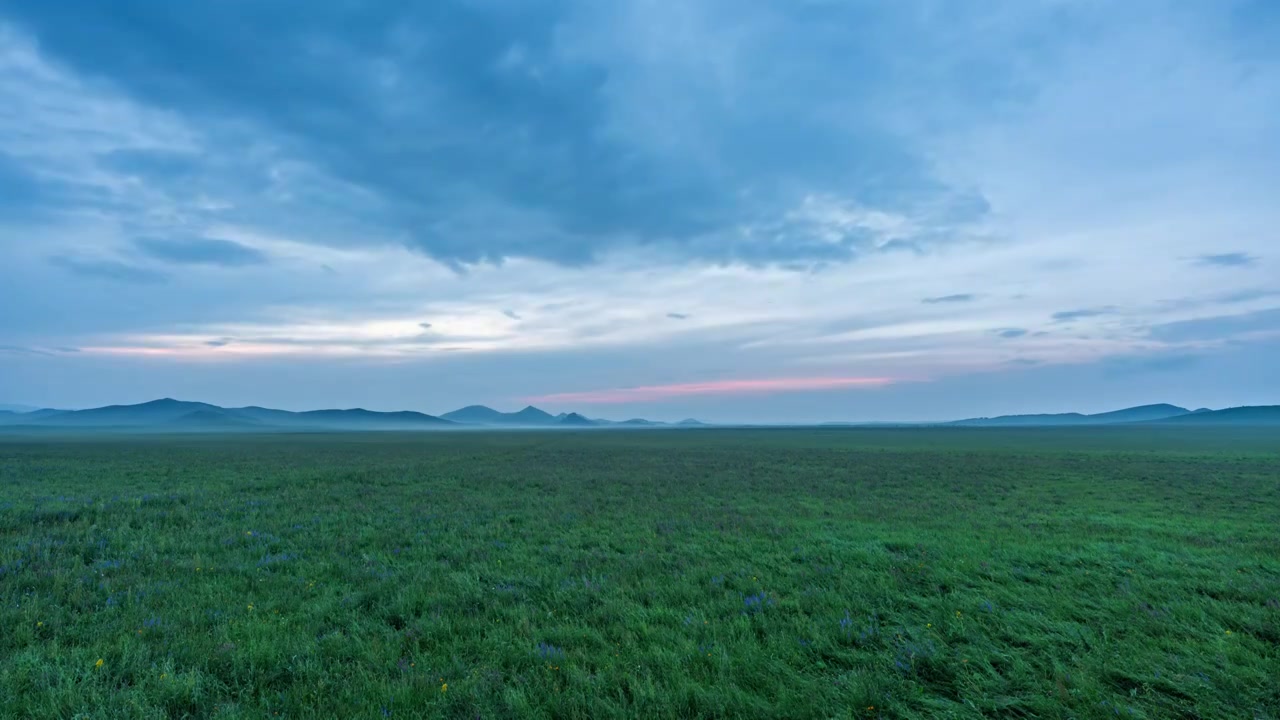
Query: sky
[[792, 211]]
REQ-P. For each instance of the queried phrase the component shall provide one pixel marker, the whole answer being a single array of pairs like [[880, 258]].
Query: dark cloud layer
[[477, 131]]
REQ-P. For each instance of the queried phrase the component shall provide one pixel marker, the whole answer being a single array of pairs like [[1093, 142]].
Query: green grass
[[771, 573]]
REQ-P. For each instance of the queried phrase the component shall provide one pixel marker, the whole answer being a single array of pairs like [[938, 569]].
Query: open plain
[[816, 573]]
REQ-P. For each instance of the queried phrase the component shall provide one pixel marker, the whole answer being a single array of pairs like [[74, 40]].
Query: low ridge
[[1141, 413], [1268, 415]]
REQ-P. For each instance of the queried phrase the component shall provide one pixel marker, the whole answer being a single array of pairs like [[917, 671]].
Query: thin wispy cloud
[[958, 298], [656, 393], [1235, 259], [19, 350], [200, 251], [1069, 315]]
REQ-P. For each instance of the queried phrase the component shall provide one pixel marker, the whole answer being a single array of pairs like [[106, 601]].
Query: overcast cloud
[[740, 211]]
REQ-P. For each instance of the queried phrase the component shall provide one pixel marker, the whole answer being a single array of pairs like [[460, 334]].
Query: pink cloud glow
[[653, 393]]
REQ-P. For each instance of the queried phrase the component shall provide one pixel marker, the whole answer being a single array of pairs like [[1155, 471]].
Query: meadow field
[[819, 573]]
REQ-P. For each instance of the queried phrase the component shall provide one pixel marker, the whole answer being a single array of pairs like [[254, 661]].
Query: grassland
[[773, 573]]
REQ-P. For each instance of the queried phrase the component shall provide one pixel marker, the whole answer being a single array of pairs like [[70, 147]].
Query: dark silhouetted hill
[[532, 416], [475, 414], [156, 412], [481, 415]]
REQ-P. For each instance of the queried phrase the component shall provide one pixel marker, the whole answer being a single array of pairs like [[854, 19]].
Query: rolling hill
[[1140, 414], [1248, 415], [168, 414], [217, 419], [156, 412], [482, 415]]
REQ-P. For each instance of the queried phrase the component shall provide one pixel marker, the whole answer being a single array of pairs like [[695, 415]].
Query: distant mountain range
[[168, 415], [182, 416]]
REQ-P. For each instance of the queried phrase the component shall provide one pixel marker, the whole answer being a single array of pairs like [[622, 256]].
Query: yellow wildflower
[[98, 664], [444, 687]]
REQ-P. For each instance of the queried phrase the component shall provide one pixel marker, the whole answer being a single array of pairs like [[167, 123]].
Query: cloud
[[657, 393], [511, 314], [783, 170], [20, 190], [201, 251], [1222, 327], [556, 130], [678, 316], [221, 342], [1069, 315], [962, 297], [1011, 332], [20, 350], [151, 164], [1240, 296], [424, 325], [107, 270], [1235, 259], [1143, 364]]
